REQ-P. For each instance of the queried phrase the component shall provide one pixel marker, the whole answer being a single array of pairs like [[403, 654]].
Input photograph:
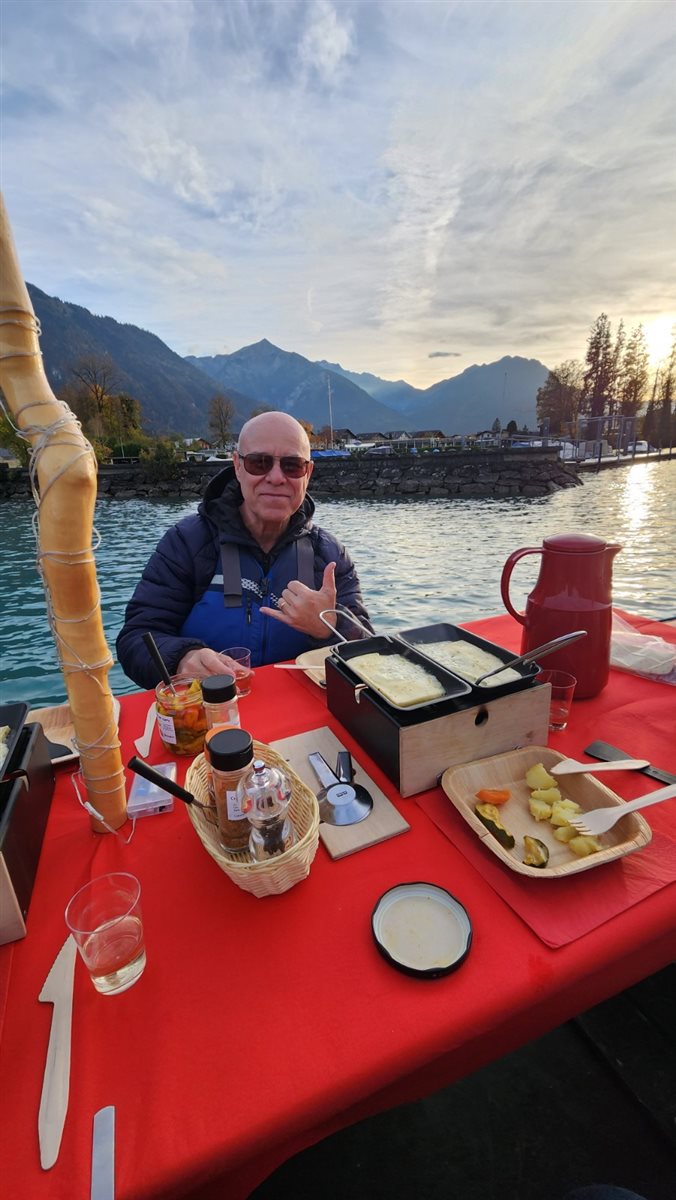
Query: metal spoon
[[538, 652]]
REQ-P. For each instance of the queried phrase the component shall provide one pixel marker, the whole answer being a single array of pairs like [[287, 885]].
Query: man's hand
[[300, 606], [203, 661]]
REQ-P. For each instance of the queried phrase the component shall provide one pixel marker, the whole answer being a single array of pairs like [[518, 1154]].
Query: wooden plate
[[508, 771], [57, 723], [313, 662]]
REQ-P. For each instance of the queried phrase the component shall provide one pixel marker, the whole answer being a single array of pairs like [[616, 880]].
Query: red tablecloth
[[261, 1025]]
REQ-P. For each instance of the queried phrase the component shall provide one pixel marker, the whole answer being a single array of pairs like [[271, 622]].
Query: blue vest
[[228, 614]]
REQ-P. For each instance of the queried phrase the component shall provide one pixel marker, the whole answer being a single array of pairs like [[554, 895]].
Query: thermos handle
[[506, 576]]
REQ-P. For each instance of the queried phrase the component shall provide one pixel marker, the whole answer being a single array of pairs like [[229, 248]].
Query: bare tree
[[98, 376], [558, 400], [221, 413]]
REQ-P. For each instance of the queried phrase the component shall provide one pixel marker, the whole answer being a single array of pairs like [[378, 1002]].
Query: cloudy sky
[[405, 187]]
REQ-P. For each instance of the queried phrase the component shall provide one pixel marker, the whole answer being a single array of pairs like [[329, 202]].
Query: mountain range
[[175, 392]]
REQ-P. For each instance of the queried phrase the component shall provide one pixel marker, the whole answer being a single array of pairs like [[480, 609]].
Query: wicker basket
[[277, 874]]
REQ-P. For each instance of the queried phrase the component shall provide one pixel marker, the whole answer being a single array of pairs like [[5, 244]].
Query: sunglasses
[[260, 464]]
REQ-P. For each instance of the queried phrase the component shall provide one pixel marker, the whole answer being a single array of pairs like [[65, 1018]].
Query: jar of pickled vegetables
[[181, 718]]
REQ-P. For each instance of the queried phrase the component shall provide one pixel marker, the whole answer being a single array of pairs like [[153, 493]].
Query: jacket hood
[[223, 499]]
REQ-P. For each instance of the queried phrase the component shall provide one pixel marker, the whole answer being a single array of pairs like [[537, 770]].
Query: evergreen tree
[[616, 368], [650, 421], [633, 378], [598, 377], [667, 395]]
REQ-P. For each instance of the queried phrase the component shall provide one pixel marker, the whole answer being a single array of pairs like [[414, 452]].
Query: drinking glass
[[563, 687], [241, 657], [104, 918]]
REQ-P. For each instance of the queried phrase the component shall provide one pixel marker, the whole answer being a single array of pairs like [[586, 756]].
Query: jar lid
[[216, 688], [229, 749], [575, 543]]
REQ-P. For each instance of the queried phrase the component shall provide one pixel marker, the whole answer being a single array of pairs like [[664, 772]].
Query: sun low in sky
[[659, 335], [403, 188]]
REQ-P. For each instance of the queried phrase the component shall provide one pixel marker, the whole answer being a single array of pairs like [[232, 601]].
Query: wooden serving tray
[[314, 664], [57, 723], [508, 771], [384, 821]]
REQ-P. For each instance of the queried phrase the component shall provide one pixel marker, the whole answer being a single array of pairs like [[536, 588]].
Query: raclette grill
[[26, 786], [459, 693], [415, 744]]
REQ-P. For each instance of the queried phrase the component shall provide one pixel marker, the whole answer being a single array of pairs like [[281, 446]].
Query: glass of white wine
[[105, 920]]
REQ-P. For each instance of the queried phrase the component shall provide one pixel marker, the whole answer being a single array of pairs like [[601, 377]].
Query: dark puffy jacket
[[179, 597]]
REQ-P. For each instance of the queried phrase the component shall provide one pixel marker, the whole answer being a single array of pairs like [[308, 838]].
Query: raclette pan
[[429, 635], [13, 715], [454, 687], [349, 653]]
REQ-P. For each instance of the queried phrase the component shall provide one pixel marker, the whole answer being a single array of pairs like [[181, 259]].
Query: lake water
[[420, 561]]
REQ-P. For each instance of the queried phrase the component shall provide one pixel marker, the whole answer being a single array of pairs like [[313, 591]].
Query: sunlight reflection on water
[[419, 561]]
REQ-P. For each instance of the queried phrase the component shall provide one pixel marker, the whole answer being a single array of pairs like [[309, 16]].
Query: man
[[249, 568]]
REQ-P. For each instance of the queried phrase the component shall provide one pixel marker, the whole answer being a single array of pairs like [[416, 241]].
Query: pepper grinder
[[264, 794]]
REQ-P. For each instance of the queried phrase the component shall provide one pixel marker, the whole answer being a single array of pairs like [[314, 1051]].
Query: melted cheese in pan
[[467, 660], [397, 679]]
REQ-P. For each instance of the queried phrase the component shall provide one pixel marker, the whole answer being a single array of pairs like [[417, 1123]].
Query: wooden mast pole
[[64, 479]]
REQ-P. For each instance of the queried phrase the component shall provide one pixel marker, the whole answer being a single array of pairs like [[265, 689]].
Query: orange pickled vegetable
[[493, 795]]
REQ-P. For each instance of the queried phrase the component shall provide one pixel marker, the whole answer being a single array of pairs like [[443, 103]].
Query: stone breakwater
[[536, 472]]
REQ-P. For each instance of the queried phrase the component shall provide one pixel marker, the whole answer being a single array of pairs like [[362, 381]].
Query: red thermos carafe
[[573, 591]]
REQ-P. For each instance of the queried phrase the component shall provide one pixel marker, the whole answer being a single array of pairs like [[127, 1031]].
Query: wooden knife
[[611, 754], [57, 990]]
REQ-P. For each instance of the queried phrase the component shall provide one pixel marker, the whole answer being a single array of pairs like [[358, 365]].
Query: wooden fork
[[600, 820]]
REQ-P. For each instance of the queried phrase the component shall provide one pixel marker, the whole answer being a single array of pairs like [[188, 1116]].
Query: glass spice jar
[[219, 695], [180, 715], [229, 753], [264, 796]]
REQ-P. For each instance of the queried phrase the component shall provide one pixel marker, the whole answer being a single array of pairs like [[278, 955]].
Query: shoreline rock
[[463, 474]]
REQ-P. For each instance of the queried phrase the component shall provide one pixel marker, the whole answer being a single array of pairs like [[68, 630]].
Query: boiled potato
[[539, 808], [565, 833], [537, 777], [583, 844], [549, 795], [563, 810]]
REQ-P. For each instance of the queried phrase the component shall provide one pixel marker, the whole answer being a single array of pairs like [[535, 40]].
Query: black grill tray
[[429, 634], [455, 688]]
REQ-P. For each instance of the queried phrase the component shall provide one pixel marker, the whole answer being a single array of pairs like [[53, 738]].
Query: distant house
[[344, 435], [372, 437], [428, 435], [200, 450], [398, 435]]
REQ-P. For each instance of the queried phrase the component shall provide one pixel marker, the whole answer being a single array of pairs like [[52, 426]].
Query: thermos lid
[[229, 749], [216, 688], [575, 543]]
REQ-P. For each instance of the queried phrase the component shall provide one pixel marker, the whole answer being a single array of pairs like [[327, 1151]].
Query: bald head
[[269, 427]]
